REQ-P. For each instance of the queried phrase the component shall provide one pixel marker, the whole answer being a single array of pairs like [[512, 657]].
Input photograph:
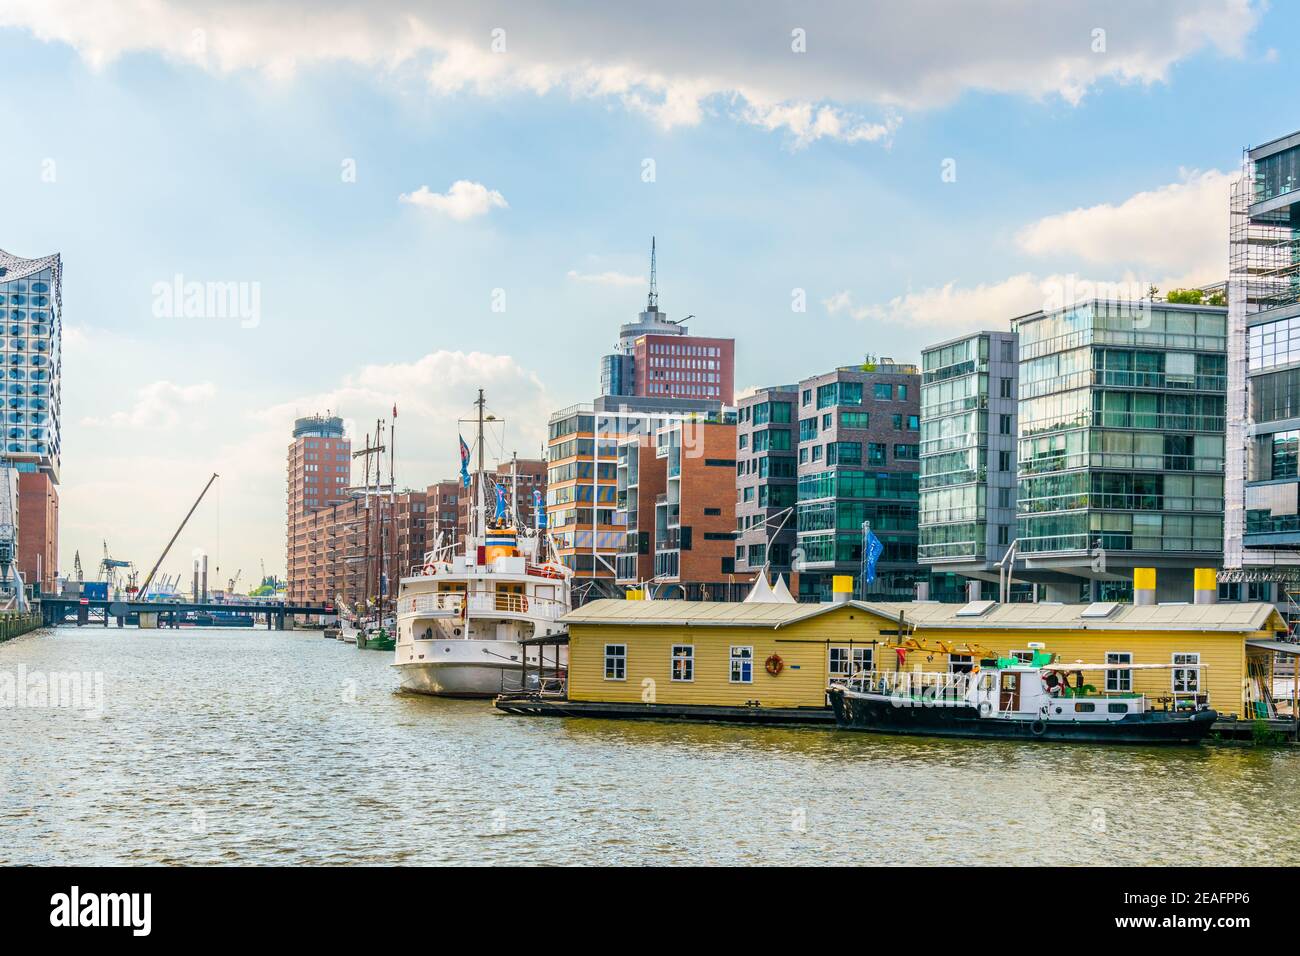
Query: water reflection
[[230, 746]]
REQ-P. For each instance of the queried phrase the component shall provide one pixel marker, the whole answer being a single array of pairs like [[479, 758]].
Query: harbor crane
[[108, 568], [144, 588]]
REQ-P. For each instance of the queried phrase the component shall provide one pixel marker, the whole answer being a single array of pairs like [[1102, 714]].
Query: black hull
[[883, 716]]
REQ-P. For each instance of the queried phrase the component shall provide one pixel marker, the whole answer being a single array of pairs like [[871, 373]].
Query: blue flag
[[464, 462], [874, 551], [501, 502]]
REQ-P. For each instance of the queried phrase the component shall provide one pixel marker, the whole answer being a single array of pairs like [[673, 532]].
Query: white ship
[[461, 616]]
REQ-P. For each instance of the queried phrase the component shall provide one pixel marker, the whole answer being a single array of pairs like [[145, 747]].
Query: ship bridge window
[[1117, 708], [1085, 708]]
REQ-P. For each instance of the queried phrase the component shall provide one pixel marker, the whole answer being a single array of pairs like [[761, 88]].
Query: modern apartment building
[[676, 496], [858, 463], [31, 306], [767, 481], [319, 472], [1262, 515], [1121, 446], [338, 538], [583, 445], [657, 358], [443, 521], [968, 455]]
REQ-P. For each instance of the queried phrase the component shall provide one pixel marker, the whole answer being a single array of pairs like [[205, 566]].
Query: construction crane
[[144, 588], [76, 566], [230, 589], [108, 568]]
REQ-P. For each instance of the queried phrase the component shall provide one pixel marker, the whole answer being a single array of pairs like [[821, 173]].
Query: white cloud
[[1172, 237], [606, 278], [464, 200], [160, 404], [1182, 227], [684, 60]]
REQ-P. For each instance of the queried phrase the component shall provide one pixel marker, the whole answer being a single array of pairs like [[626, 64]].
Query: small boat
[[1009, 698], [348, 631], [378, 637]]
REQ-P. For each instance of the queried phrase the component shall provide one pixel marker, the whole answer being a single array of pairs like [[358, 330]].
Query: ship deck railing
[[500, 602], [930, 685]]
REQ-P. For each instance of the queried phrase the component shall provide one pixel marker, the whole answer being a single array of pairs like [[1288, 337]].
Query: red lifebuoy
[[774, 664]]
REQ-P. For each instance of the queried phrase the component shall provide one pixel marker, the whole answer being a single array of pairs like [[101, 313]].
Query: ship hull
[[882, 715], [450, 679]]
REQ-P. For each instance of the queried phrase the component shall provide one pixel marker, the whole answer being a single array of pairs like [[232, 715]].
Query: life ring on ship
[[428, 570], [986, 709], [773, 665]]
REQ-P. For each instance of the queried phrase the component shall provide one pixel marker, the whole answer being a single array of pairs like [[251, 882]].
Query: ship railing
[[930, 685], [500, 602]]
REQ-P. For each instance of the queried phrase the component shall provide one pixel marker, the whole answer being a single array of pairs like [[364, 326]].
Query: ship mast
[[480, 478]]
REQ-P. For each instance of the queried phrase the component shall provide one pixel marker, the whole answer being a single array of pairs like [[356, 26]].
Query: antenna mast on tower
[[652, 301]]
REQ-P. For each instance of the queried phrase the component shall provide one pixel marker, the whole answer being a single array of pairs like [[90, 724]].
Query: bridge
[[81, 611]]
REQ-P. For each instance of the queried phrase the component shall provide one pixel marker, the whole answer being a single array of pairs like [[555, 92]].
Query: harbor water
[[247, 746]]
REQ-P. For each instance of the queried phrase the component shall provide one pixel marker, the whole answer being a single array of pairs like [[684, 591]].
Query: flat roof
[[1231, 617]]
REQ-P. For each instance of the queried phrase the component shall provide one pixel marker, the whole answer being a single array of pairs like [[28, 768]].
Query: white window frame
[[831, 656], [618, 658], [967, 659], [1124, 677], [863, 659], [746, 657], [1024, 657], [688, 659], [1191, 680]]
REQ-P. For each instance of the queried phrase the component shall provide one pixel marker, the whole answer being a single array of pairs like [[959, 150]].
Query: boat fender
[[1038, 728], [774, 664], [986, 709]]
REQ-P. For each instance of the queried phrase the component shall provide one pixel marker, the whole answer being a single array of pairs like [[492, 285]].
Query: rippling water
[[228, 746]]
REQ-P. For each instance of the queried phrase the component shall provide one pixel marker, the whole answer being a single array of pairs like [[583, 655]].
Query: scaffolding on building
[[1263, 275]]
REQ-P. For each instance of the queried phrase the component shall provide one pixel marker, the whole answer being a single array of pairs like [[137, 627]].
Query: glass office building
[[31, 303], [1263, 517], [1121, 446], [968, 454]]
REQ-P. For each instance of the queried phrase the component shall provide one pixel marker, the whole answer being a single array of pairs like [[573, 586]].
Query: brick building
[[677, 498], [38, 529], [319, 471]]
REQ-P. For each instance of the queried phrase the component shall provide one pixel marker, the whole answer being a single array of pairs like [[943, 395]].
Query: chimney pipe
[[195, 590], [205, 577], [1205, 587], [1144, 587], [841, 589]]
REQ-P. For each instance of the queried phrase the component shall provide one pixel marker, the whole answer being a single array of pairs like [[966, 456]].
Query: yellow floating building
[[772, 661]]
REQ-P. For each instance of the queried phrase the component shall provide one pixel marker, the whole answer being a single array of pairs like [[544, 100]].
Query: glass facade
[[30, 301], [967, 476], [1121, 434]]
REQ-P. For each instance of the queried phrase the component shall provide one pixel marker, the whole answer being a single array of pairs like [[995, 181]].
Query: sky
[[409, 201]]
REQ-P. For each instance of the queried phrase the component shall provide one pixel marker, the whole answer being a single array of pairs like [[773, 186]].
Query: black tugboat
[[1015, 700]]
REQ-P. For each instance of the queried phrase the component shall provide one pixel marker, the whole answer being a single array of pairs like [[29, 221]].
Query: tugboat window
[[683, 662], [1117, 708], [1082, 708], [1119, 682]]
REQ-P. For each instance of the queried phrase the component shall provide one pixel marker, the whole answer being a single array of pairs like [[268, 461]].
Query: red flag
[[394, 409]]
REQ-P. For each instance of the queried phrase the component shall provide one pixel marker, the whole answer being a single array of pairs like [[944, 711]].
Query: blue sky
[[210, 155]]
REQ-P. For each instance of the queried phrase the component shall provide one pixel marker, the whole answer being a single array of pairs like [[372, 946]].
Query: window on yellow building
[[683, 662], [742, 665], [1119, 682], [1186, 680], [615, 662]]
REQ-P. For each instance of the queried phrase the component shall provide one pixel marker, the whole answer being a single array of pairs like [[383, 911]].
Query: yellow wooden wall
[[804, 647], [1223, 656]]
